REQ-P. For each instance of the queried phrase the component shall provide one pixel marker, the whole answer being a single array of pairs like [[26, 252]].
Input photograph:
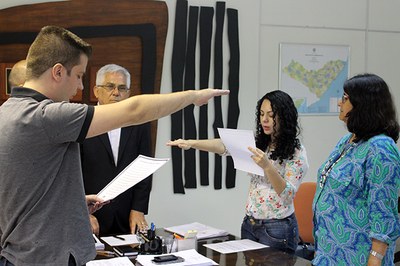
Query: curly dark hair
[[373, 111], [286, 133]]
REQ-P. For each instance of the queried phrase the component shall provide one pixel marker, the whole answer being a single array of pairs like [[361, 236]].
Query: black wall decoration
[[218, 73], [206, 27], [184, 77], [177, 68], [233, 83], [190, 84]]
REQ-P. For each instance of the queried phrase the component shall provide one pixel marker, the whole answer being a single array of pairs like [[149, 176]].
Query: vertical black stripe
[[218, 56], [206, 27], [190, 84], [233, 82], [177, 69]]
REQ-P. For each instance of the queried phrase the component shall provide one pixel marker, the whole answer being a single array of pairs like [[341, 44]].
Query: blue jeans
[[282, 234], [4, 262]]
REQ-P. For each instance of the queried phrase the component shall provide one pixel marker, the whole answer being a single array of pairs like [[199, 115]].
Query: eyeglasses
[[345, 97], [111, 86]]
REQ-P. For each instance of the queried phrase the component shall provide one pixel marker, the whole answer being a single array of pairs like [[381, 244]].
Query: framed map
[[313, 75]]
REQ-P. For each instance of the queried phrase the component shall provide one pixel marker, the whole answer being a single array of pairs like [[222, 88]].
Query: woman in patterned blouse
[[270, 218], [355, 205]]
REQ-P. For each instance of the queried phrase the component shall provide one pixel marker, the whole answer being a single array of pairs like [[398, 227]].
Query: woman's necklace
[[331, 163]]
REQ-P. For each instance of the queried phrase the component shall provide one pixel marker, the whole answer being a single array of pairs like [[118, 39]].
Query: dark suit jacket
[[99, 169]]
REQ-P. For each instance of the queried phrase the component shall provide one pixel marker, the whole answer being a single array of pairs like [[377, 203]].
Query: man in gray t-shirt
[[43, 213]]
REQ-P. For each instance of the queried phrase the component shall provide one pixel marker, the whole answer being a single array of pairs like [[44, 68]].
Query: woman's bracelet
[[225, 152], [376, 254]]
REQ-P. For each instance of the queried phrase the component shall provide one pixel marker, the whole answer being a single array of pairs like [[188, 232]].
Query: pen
[[145, 238], [173, 240], [105, 253], [177, 236], [153, 227], [119, 237]]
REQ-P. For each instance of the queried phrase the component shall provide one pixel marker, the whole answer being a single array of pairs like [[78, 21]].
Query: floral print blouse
[[263, 202]]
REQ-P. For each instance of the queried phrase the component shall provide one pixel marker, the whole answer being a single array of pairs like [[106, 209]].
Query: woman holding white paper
[[270, 218]]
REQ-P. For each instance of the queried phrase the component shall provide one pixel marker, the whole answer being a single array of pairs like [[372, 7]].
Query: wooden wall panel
[[125, 50]]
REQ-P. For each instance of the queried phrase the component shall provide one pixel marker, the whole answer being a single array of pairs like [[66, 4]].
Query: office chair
[[304, 215], [397, 254]]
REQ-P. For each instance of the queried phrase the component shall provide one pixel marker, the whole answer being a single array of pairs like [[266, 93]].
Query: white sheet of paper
[[135, 172], [191, 256], [237, 142], [120, 261], [113, 241], [234, 246], [99, 245], [203, 231]]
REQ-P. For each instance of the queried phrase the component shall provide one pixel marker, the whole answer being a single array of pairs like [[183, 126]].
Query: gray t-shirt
[[43, 211]]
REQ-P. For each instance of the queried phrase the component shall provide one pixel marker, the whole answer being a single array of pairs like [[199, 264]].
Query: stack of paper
[[99, 245], [203, 231], [120, 261], [191, 257], [121, 240]]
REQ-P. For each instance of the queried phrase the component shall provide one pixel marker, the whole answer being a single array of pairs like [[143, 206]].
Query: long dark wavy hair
[[373, 110], [286, 133]]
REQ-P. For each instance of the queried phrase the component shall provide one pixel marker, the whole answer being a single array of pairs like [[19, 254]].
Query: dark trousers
[[5, 262]]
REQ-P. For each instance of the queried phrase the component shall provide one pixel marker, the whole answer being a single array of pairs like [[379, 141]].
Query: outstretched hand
[[181, 143], [203, 96]]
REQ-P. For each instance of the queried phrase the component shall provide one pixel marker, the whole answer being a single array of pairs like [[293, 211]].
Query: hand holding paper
[[237, 142]]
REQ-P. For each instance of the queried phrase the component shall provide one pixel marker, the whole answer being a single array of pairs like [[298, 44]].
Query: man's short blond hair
[[55, 45]]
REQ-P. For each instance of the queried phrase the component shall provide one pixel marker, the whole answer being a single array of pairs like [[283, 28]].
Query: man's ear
[[57, 71], [96, 92]]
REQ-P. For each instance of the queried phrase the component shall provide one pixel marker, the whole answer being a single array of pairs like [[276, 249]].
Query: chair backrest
[[303, 210]]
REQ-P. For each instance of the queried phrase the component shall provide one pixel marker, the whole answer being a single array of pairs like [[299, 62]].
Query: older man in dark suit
[[106, 155]]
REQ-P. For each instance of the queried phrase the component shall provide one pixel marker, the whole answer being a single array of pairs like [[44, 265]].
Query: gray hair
[[112, 68]]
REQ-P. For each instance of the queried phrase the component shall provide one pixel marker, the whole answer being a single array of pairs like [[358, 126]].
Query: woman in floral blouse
[[355, 205], [270, 218]]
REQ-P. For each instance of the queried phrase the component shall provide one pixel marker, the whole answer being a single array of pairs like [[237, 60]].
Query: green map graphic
[[318, 81], [298, 102]]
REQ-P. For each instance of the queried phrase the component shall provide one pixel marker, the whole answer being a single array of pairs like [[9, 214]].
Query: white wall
[[370, 27]]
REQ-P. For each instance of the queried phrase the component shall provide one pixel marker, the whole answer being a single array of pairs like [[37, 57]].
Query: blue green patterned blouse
[[357, 201]]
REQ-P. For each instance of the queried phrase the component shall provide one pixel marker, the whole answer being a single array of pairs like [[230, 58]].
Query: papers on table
[[121, 240], [191, 256], [203, 231], [120, 261], [235, 246], [237, 142], [135, 172], [98, 244]]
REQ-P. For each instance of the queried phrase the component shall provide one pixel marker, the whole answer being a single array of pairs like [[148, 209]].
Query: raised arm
[[210, 145], [144, 108]]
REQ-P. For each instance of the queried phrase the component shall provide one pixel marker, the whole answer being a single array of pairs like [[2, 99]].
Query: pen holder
[[153, 246], [169, 244], [187, 243]]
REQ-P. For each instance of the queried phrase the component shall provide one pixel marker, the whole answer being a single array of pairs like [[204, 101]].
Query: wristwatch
[[376, 254]]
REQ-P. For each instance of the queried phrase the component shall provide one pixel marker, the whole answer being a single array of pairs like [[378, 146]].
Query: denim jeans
[[4, 262], [282, 234]]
